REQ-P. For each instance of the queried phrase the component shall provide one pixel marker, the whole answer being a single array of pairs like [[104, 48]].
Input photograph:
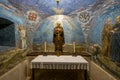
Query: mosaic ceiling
[[47, 6]]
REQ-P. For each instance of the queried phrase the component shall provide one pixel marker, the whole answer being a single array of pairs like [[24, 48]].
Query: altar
[[63, 62]]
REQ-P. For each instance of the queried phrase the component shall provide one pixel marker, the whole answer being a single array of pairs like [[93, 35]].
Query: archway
[[7, 32]]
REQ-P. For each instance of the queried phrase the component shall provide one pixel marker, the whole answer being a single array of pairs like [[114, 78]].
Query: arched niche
[[7, 32], [72, 30]]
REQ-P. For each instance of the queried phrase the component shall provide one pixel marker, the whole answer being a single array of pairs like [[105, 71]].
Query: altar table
[[60, 62]]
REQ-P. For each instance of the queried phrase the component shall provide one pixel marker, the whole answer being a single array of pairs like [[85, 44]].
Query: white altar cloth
[[61, 62]]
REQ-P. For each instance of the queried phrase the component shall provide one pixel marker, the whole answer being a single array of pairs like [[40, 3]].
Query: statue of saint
[[58, 38], [106, 37]]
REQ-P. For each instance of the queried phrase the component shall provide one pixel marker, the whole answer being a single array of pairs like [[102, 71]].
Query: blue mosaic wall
[[73, 28], [99, 21]]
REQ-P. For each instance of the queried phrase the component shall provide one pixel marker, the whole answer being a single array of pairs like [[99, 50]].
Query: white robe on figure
[[23, 39]]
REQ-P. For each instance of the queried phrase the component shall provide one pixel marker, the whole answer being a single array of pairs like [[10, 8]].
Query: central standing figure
[[58, 38]]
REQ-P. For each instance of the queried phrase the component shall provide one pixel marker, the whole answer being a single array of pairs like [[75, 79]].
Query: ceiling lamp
[[58, 10], [58, 1]]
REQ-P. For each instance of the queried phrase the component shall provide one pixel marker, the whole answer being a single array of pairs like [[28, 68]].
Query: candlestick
[[74, 47], [45, 46]]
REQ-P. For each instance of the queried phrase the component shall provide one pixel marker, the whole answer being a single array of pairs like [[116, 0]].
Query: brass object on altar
[[58, 53]]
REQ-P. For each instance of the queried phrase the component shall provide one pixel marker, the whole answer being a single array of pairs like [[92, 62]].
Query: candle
[[74, 47], [45, 46]]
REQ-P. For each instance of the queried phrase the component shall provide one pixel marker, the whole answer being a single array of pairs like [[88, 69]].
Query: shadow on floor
[[59, 74]]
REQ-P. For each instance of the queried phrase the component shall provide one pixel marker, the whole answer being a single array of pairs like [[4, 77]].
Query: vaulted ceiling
[[47, 6]]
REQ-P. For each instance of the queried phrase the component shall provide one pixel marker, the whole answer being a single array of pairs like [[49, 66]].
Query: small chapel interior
[[59, 39]]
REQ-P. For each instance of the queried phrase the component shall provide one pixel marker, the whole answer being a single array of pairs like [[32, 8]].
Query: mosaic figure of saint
[[106, 37], [23, 35], [115, 42]]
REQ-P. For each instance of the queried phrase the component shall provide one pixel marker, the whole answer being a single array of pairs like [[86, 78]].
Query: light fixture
[[58, 1], [57, 10]]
